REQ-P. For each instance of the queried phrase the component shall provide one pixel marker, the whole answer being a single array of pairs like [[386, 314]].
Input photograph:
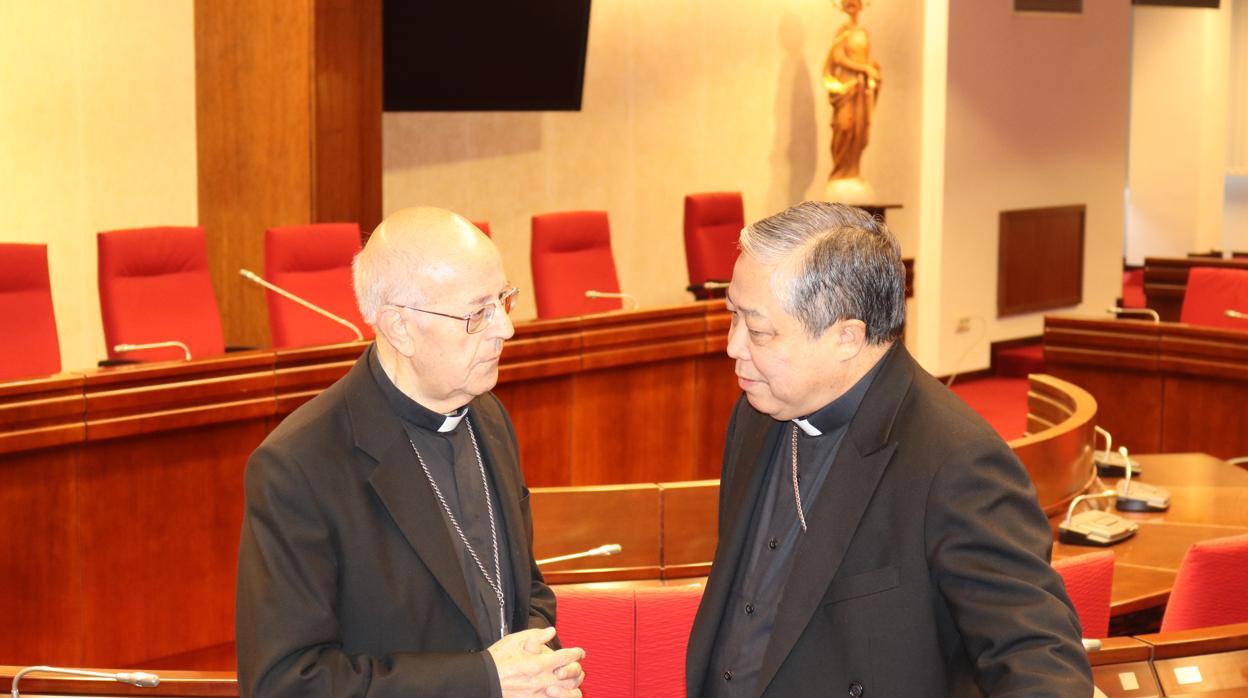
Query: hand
[[526, 667]]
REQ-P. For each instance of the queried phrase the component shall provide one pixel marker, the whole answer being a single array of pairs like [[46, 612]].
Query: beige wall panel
[[97, 131], [678, 98], [1179, 80], [1037, 116]]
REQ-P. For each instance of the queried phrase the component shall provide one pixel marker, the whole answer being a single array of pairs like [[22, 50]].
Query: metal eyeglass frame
[[482, 315]]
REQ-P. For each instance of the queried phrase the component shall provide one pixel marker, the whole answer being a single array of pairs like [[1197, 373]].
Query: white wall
[[1179, 79], [1036, 116], [679, 97], [97, 131]]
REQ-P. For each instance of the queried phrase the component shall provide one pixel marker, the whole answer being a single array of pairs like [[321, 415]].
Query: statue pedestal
[[850, 190]]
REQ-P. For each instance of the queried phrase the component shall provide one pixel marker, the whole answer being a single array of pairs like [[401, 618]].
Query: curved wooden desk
[[1161, 388], [121, 489]]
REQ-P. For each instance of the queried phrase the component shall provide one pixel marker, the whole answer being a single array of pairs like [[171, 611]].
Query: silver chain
[[496, 583], [797, 492]]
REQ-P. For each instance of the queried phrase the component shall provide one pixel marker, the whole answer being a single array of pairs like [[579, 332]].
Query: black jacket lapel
[[403, 489], [860, 463]]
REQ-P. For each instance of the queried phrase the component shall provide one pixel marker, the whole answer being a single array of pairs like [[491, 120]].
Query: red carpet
[[1001, 401]]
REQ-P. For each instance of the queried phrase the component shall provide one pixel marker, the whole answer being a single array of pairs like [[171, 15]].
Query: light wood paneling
[[288, 104]]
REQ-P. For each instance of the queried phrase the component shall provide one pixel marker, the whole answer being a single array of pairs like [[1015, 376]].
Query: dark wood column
[[288, 110]]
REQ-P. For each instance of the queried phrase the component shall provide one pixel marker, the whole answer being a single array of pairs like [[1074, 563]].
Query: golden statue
[[852, 80]]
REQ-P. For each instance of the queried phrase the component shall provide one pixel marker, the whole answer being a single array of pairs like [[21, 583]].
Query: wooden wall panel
[[288, 119], [42, 599], [346, 166], [542, 415], [1040, 259], [253, 76], [165, 517], [717, 392], [634, 424]]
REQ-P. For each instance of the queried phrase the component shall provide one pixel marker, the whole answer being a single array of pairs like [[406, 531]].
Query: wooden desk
[[1145, 566], [121, 489], [1159, 388], [1209, 662], [173, 684], [1122, 668]]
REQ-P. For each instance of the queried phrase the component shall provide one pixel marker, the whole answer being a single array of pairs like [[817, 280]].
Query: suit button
[[855, 690], [773, 543], [749, 609], [727, 675]]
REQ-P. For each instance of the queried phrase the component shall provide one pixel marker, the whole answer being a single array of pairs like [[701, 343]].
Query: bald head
[[412, 253]]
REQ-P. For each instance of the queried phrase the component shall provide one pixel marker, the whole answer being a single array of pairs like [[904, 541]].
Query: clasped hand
[[527, 667]]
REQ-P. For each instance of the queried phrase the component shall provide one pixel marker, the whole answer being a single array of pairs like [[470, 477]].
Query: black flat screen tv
[[484, 55]]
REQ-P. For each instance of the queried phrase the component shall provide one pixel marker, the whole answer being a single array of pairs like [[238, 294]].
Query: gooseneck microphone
[[256, 278], [1135, 311], [123, 348], [622, 296], [141, 679], [600, 551]]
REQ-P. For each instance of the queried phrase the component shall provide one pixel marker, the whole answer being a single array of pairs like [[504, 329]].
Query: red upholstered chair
[[155, 287], [1088, 581], [1211, 587], [1210, 293], [664, 619], [27, 323], [571, 254], [601, 621], [1133, 289], [314, 263], [713, 223], [483, 226]]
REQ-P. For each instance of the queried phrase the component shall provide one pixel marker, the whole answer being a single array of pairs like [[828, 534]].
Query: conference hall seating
[[634, 637], [1211, 587], [1089, 581], [1210, 293], [1133, 289], [571, 254], [713, 223], [27, 322], [314, 263], [155, 287]]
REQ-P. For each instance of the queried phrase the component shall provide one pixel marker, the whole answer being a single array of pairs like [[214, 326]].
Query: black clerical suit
[[924, 570], [350, 580]]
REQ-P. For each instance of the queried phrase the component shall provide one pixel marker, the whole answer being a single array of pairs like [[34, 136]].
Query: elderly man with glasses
[[386, 545]]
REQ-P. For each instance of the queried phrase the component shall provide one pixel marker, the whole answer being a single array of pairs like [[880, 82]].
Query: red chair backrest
[[571, 254], [1133, 289], [1089, 579], [27, 322], [314, 263], [1211, 587], [602, 622], [664, 619], [713, 224], [483, 226], [1210, 293], [155, 287]]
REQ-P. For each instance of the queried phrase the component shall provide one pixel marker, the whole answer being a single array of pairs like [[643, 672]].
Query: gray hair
[[383, 273], [849, 267]]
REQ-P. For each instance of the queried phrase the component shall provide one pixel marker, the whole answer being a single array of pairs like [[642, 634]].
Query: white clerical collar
[[453, 419], [807, 427]]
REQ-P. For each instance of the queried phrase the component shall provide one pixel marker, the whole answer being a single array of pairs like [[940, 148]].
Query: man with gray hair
[[387, 545], [876, 537]]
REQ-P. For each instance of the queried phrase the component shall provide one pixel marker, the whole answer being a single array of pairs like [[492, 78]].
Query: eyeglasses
[[476, 321]]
